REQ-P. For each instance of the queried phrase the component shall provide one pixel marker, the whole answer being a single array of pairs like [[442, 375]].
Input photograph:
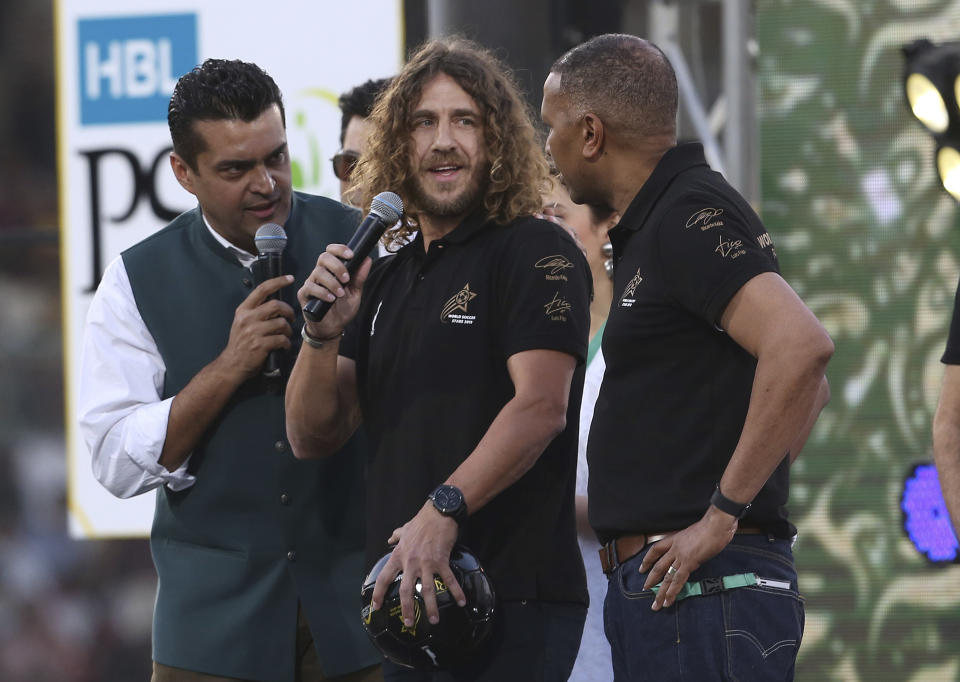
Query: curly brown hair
[[518, 166]]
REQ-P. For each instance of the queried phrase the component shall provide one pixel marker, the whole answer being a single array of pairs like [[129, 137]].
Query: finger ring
[[671, 570]]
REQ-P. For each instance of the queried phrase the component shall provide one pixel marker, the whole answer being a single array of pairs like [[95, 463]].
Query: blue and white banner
[[117, 64], [129, 65]]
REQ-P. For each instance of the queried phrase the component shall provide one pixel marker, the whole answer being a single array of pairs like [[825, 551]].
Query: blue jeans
[[533, 641], [750, 634]]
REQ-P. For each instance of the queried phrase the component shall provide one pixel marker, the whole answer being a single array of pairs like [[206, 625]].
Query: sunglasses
[[343, 164]]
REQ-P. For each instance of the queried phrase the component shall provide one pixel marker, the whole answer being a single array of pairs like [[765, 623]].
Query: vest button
[[280, 446], [247, 282], [291, 555], [284, 498]]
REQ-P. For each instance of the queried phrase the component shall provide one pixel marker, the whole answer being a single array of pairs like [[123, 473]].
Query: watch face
[[447, 498]]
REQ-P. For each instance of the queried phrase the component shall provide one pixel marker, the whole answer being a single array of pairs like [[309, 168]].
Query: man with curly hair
[[463, 356]]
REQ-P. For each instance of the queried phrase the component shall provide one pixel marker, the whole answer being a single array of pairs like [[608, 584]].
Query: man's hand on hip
[[674, 558]]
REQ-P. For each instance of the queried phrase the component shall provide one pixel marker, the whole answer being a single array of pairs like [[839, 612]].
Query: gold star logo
[[458, 301]]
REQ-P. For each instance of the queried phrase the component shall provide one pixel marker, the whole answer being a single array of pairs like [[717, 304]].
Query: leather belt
[[618, 550]]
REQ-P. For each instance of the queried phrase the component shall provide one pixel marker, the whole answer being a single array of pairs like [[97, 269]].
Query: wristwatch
[[727, 505], [448, 500]]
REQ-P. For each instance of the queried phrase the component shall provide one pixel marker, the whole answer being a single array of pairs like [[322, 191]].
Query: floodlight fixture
[[926, 103], [931, 83], [948, 168]]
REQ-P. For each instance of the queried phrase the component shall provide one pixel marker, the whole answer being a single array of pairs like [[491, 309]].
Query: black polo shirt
[[431, 342], [676, 388]]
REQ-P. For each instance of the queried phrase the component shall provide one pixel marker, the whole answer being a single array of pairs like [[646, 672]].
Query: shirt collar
[[468, 228], [245, 257], [677, 160]]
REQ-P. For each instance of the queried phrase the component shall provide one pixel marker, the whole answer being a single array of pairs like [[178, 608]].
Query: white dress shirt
[[123, 419]]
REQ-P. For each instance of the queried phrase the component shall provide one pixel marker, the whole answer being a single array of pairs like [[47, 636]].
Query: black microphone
[[271, 240], [385, 210]]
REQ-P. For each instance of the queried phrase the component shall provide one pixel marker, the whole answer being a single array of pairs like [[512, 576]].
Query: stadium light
[[948, 167], [931, 83], [926, 103]]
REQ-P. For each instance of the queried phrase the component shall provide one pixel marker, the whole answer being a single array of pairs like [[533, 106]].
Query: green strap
[[595, 343], [713, 585]]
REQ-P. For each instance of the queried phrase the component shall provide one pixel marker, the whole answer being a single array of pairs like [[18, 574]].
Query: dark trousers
[[308, 666], [533, 641], [747, 633]]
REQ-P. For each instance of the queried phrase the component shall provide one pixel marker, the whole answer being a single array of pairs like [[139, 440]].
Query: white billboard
[[116, 67]]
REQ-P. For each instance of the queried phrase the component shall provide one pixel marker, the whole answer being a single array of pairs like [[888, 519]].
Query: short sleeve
[[708, 251], [544, 289]]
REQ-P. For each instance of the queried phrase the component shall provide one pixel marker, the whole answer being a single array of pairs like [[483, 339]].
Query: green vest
[[259, 530]]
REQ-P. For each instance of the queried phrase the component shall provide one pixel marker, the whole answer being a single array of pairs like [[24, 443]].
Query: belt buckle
[[613, 560], [711, 586]]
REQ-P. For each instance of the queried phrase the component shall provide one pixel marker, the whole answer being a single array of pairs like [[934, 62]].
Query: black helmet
[[458, 634]]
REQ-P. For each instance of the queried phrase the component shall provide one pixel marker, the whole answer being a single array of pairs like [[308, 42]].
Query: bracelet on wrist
[[316, 342], [725, 504]]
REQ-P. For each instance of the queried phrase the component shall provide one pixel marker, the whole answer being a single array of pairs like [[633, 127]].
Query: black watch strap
[[448, 500], [728, 506]]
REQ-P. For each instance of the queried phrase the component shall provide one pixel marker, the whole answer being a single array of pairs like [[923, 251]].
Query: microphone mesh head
[[270, 238], [387, 206]]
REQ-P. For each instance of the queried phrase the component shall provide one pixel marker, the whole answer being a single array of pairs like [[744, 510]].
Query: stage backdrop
[[116, 67], [870, 240]]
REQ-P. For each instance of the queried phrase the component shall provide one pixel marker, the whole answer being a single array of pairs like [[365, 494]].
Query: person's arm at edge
[[946, 442], [768, 320]]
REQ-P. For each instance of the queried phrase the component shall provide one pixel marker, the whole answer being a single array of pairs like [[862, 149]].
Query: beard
[[446, 202]]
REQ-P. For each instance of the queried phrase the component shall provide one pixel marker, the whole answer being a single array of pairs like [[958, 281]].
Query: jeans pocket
[[763, 628], [630, 580]]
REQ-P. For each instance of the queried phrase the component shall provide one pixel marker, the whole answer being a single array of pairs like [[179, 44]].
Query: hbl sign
[[129, 65]]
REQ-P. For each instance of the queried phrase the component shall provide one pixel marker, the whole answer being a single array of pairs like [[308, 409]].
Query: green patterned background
[[869, 239]]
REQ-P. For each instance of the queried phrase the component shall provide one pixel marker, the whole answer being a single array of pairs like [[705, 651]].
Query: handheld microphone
[[271, 240], [385, 210]]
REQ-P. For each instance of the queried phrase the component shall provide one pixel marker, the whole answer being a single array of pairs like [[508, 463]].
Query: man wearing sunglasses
[[355, 107]]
